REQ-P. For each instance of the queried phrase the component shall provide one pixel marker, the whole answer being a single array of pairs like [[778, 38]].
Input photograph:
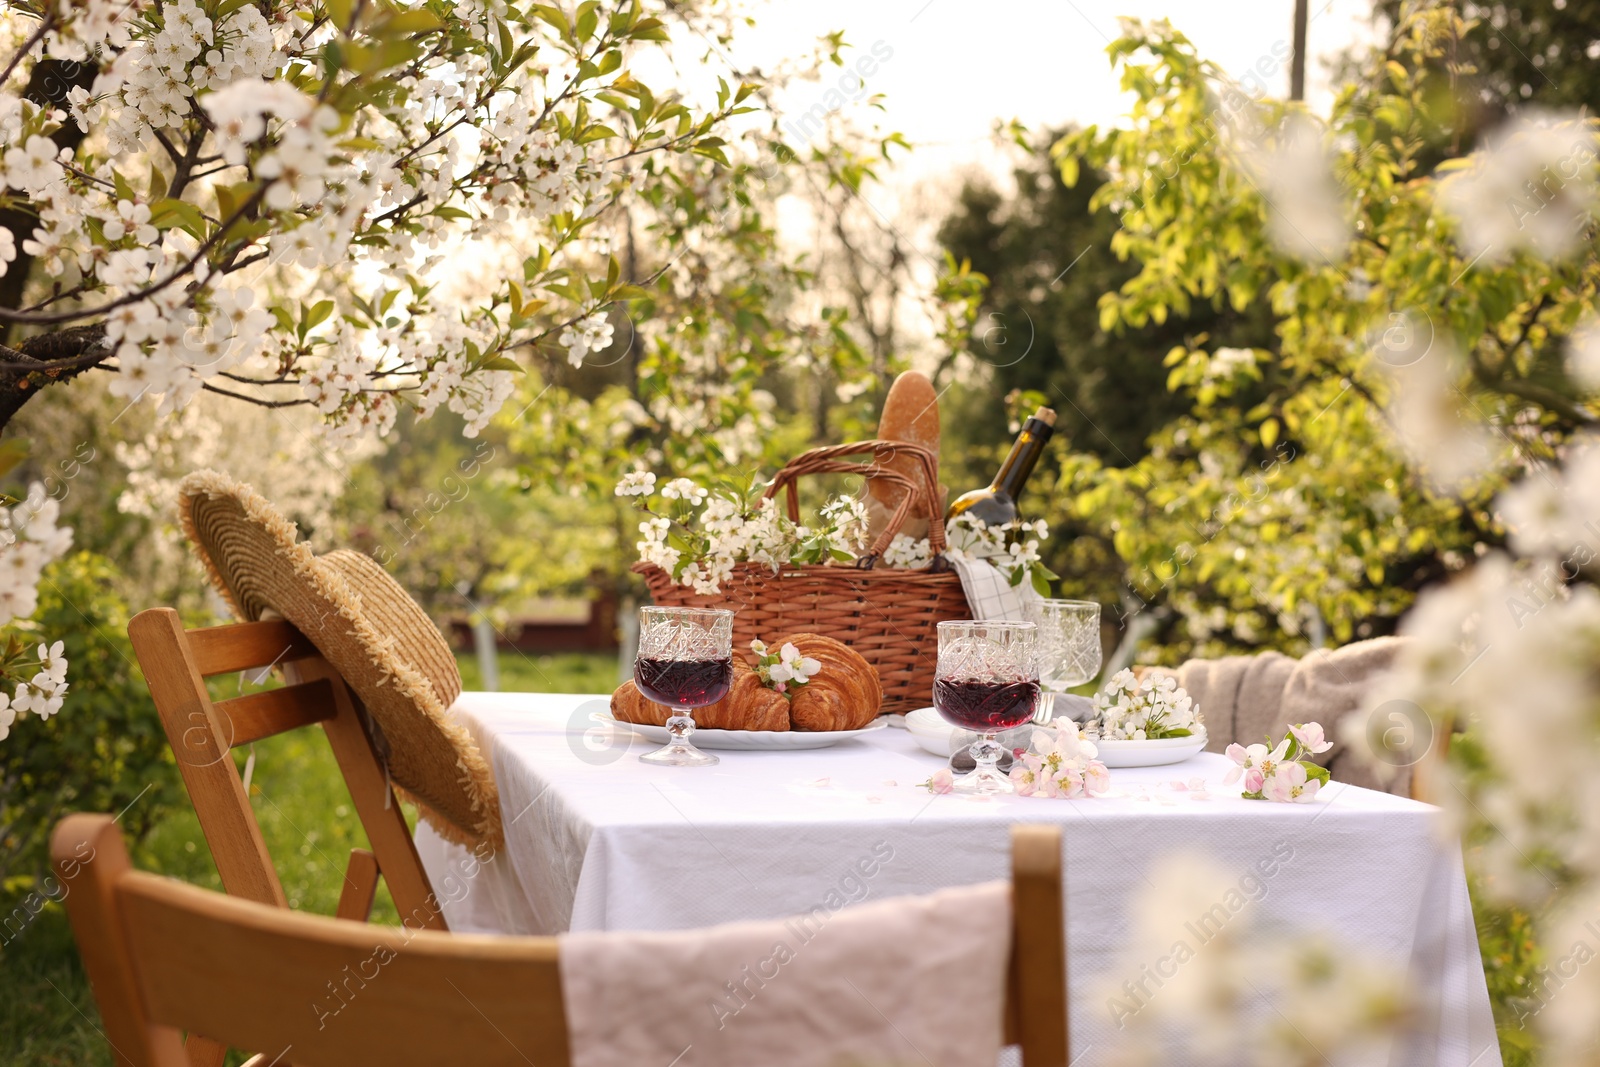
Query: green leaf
[[554, 17], [339, 12], [588, 18], [503, 363], [165, 214], [1269, 432], [1041, 584], [403, 23], [649, 30], [158, 183], [317, 315]]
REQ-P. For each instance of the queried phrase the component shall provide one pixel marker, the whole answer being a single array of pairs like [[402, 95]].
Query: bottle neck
[[1024, 457]]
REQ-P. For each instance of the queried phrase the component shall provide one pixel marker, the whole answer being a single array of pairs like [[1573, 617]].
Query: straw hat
[[371, 631]]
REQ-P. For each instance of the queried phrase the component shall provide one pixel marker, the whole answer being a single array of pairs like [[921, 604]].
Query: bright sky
[[957, 66]]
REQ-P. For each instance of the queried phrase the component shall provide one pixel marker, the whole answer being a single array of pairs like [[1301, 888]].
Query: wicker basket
[[889, 616]]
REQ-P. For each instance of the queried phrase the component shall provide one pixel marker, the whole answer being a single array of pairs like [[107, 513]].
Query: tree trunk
[[1297, 63]]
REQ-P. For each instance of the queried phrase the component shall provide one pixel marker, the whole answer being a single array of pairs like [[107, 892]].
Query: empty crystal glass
[[1069, 647]]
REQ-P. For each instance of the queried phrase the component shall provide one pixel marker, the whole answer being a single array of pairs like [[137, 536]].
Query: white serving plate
[[930, 731], [746, 740], [1157, 753]]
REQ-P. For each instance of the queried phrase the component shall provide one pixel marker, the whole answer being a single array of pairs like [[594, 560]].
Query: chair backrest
[[176, 663], [163, 956]]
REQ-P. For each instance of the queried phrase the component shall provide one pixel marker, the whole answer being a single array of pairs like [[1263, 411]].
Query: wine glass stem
[[681, 727], [986, 752]]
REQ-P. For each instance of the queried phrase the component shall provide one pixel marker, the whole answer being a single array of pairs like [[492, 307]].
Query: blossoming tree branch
[[253, 199]]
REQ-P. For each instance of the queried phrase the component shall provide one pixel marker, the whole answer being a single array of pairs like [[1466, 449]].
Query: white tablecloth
[[596, 840]]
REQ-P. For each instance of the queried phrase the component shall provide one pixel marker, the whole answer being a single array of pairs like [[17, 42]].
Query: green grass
[[567, 672], [47, 1015]]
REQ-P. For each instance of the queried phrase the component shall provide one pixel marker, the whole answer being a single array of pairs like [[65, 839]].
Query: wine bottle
[[996, 503]]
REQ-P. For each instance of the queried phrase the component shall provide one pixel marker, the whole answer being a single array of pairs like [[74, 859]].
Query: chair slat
[[1038, 987], [247, 646], [328, 994], [200, 739], [360, 885], [275, 711]]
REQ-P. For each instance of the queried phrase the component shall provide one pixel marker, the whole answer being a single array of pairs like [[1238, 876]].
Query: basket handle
[[830, 459]]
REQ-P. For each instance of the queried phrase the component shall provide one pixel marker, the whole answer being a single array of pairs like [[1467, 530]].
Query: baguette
[[911, 414]]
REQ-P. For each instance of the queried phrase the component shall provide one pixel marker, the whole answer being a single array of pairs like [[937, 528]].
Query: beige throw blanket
[[902, 981], [1245, 699]]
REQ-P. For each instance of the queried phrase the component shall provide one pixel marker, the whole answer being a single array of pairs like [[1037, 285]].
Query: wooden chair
[[176, 663], [164, 956], [202, 734]]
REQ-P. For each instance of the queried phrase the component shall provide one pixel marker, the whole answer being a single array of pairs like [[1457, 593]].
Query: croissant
[[748, 706], [844, 695]]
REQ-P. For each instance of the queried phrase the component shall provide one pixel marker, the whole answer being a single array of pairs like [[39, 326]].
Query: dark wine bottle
[[996, 503]]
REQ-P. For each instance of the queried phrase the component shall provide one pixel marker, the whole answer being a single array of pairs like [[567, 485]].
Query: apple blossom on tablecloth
[[785, 669], [1155, 709], [1279, 773], [1059, 763]]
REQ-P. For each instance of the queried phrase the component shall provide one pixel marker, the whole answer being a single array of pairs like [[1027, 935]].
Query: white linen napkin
[[908, 980], [990, 594]]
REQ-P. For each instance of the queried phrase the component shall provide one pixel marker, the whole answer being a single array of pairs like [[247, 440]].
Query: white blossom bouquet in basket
[[697, 534], [1156, 709]]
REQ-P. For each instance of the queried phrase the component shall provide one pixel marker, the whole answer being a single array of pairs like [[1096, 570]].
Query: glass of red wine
[[685, 661], [987, 682]]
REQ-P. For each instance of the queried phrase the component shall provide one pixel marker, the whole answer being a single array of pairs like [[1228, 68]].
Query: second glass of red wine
[[987, 681], [685, 661]]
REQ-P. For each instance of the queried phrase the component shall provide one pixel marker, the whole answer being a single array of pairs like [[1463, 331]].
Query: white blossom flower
[[907, 553], [684, 489], [636, 483], [1308, 216], [33, 166], [1425, 416], [1531, 187], [30, 540], [589, 334]]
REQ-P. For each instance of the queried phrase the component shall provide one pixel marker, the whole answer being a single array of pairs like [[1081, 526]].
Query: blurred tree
[[1533, 51], [1048, 255], [1318, 482]]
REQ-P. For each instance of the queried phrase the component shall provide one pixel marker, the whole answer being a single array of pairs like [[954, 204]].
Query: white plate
[[747, 740], [939, 737], [928, 728], [1157, 753]]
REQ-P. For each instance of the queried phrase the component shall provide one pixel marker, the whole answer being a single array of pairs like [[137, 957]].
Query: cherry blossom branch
[[27, 46], [183, 271], [257, 401]]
